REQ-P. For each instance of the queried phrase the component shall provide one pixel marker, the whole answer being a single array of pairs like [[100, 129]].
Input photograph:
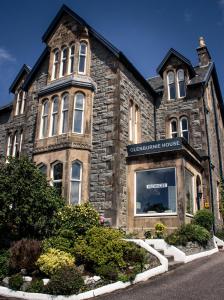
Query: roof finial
[[202, 42]]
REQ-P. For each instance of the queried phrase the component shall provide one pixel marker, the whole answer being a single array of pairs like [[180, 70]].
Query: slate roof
[[6, 107]]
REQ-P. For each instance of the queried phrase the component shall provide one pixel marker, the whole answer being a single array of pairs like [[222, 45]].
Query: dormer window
[[72, 59], [64, 58], [82, 58], [55, 64], [171, 86], [181, 84]]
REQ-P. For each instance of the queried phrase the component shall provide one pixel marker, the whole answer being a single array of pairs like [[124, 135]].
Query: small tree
[[27, 203]]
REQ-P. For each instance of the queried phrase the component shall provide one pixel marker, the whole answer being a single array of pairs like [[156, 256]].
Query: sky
[[144, 30]]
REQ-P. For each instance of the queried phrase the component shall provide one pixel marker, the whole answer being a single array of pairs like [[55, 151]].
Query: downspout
[[209, 157]]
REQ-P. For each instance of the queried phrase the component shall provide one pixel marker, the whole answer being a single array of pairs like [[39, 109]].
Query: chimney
[[203, 54]]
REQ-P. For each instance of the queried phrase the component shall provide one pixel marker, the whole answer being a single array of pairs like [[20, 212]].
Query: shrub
[[160, 230], [204, 218], [15, 282], [4, 263], [36, 286], [133, 254], [27, 202], [220, 233], [189, 233], [77, 219], [148, 234], [57, 242], [53, 260], [66, 281], [24, 254], [109, 271]]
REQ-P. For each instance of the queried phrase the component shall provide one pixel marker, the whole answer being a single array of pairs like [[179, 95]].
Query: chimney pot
[[202, 42]]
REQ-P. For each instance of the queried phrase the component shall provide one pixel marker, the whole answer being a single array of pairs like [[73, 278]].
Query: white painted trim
[[218, 241]]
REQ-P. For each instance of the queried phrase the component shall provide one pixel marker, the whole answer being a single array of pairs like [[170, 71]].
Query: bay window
[[44, 119], [78, 113], [76, 182], [54, 116], [64, 60], [64, 114], [82, 58]]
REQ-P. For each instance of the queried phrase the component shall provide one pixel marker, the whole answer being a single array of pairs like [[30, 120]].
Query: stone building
[[141, 151]]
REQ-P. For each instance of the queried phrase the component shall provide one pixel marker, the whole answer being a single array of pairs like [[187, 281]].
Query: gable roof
[[24, 70], [121, 57], [178, 55]]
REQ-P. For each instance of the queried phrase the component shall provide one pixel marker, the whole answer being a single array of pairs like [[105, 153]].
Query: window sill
[[156, 215]]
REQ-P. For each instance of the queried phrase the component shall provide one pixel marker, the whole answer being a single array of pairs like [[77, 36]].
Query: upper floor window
[[72, 59], [184, 132], [181, 83], [133, 122], [44, 121], [131, 106], [171, 85], [64, 61], [55, 64], [82, 58], [54, 116], [173, 128], [15, 151], [57, 175], [76, 181], [9, 145], [78, 113], [20, 103], [64, 114]]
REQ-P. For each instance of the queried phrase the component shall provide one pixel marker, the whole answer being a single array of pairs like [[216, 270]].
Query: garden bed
[[194, 247]]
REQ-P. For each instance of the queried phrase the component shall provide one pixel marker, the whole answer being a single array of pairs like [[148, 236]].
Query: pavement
[[202, 279]]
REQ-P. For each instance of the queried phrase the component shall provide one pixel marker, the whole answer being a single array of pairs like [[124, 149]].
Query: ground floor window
[[156, 191], [189, 194]]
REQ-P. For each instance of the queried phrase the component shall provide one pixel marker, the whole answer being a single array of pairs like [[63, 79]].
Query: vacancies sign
[[155, 147]]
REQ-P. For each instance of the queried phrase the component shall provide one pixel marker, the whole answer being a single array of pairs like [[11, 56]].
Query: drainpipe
[[209, 156]]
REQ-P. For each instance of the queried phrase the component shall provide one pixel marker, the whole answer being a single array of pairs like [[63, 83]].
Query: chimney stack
[[203, 54]]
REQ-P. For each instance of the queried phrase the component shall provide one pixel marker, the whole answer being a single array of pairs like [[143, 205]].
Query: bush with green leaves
[[160, 229], [204, 218], [220, 233], [76, 219], [15, 282], [66, 281], [189, 233], [58, 242], [53, 260], [24, 254], [27, 202], [36, 286], [4, 263]]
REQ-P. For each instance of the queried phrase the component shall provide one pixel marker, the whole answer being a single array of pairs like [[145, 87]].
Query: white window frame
[[184, 130], [84, 55], [70, 59], [169, 83], [64, 59], [42, 117], [52, 174], [54, 115], [178, 83], [136, 120], [19, 103], [62, 118], [135, 198], [23, 103], [79, 109], [173, 132], [54, 75], [9, 145], [76, 180], [15, 144]]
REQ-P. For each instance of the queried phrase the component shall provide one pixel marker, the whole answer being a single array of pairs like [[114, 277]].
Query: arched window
[[78, 113], [181, 84], [171, 85], [55, 64], [57, 175], [23, 103], [173, 129], [9, 145], [131, 106], [54, 116], [19, 102], [43, 168], [15, 151], [184, 132], [136, 124], [44, 119], [76, 182], [64, 61], [72, 59], [64, 114], [82, 57]]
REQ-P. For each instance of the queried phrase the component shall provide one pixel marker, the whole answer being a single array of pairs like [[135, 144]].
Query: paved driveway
[[199, 280]]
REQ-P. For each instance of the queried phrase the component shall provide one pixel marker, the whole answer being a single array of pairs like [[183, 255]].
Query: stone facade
[[111, 85]]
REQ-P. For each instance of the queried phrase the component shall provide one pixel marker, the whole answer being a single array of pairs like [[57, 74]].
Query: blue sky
[[143, 29]]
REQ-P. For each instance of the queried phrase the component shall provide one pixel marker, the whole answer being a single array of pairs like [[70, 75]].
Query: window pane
[[72, 50], [184, 124], [174, 126], [45, 125], [75, 192], [58, 186], [170, 77], [65, 102], [83, 48], [72, 64], [65, 53], [185, 135], [56, 56], [79, 101], [82, 60], [65, 122], [43, 169], [172, 91], [54, 124], [189, 192], [57, 171], [156, 191], [182, 88], [76, 171], [55, 105], [45, 110], [78, 121], [180, 75]]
